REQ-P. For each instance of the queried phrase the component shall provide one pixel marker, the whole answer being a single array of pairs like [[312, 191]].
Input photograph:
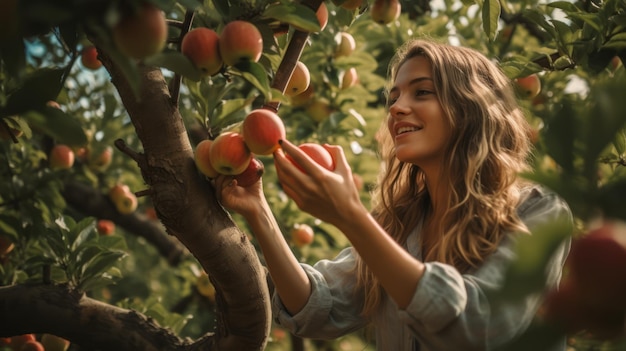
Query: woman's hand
[[245, 201], [329, 196]]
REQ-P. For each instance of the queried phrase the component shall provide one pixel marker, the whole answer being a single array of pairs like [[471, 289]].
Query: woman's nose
[[398, 108]]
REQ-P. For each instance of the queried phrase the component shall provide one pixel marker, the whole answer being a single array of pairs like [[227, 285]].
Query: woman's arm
[[333, 198], [290, 281]]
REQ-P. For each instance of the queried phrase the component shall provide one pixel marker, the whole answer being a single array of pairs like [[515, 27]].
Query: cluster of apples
[[29, 342], [209, 51], [592, 295], [232, 152]]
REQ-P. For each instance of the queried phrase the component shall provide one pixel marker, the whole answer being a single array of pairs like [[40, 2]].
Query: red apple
[[142, 33], [124, 200], [240, 41], [318, 153], [202, 158], [349, 78], [529, 86], [201, 46], [251, 174], [262, 129], [385, 11], [54, 343], [345, 44], [229, 154], [89, 58], [6, 245], [615, 63], [302, 235], [299, 80], [53, 104], [61, 157], [32, 345], [105, 227]]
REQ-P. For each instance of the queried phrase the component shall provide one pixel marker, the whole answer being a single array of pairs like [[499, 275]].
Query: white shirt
[[448, 311]]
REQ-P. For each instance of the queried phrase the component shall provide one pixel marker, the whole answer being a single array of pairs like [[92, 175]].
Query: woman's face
[[418, 126]]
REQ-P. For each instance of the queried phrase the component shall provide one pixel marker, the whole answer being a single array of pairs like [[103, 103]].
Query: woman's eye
[[422, 92]]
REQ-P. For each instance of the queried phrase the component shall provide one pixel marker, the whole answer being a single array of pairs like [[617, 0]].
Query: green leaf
[[38, 88], [57, 124], [177, 63], [491, 14], [254, 73], [566, 6], [223, 7], [296, 14], [101, 263]]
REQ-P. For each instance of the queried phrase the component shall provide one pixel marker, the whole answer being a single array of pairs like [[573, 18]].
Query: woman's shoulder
[[536, 198]]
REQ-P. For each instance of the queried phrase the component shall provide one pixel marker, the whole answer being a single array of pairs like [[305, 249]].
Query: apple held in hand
[[316, 152], [302, 235], [240, 41], [229, 154], [252, 173], [61, 157], [89, 58], [529, 86], [124, 200], [141, 33], [262, 129], [385, 11], [201, 46], [202, 158]]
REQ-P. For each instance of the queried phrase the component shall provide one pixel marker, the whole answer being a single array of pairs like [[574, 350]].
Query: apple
[[615, 63], [32, 345], [142, 33], [124, 200], [202, 158], [53, 104], [385, 11], [105, 227], [597, 261], [278, 334], [229, 154], [299, 80], [201, 46], [262, 129], [302, 234], [251, 174], [6, 245], [103, 160], [319, 109], [89, 58], [54, 343], [19, 340], [240, 41], [349, 78], [318, 153], [345, 44], [529, 86], [61, 157]]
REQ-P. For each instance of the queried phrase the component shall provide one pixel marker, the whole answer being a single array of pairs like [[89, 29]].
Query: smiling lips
[[406, 129]]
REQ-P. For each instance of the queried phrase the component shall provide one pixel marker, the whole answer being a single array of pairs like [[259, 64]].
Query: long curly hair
[[488, 148]]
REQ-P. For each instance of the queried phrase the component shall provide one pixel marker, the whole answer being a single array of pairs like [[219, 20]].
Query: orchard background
[[157, 264]]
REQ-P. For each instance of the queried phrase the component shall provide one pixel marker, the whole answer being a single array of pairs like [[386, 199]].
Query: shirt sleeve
[[334, 307], [450, 309]]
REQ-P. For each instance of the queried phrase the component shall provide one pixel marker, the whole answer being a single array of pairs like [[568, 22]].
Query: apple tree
[[111, 235]]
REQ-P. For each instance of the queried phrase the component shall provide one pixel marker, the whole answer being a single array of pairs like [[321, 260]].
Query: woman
[[445, 215]]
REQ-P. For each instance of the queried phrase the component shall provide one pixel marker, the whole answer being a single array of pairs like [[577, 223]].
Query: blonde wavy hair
[[488, 148]]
